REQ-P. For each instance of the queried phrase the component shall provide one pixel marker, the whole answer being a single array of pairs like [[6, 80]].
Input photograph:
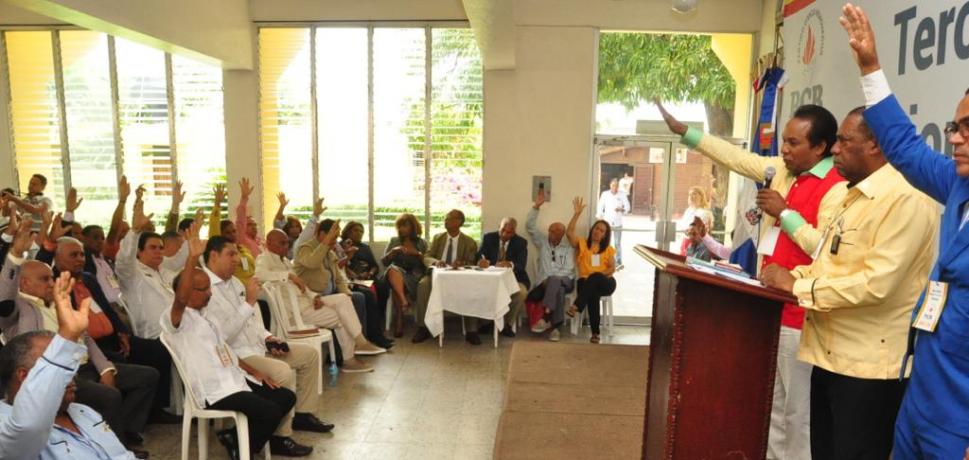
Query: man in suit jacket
[[933, 421], [505, 248], [451, 248], [137, 383], [26, 296]]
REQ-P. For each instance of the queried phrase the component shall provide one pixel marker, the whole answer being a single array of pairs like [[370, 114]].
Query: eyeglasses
[[959, 126]]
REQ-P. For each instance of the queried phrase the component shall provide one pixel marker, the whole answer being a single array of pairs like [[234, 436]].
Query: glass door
[[666, 184]]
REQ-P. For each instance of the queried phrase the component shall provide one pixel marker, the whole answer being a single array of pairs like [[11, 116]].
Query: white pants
[[337, 313], [790, 418]]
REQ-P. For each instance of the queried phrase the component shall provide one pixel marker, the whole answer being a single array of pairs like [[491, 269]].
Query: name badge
[[820, 247], [768, 242], [113, 281], [224, 357], [245, 264], [595, 260], [928, 317]]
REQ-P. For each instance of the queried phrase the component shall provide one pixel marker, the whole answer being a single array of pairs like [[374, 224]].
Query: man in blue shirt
[[38, 418], [556, 270], [933, 421]]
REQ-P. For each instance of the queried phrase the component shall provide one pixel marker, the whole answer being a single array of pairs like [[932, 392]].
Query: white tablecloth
[[467, 292]]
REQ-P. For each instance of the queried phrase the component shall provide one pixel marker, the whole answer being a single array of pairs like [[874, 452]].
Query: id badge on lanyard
[[931, 312]]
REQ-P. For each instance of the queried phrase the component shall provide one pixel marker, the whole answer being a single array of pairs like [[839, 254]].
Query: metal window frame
[[370, 26], [62, 105]]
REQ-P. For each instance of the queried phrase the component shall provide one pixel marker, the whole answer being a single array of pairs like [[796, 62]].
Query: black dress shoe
[[507, 332], [472, 338], [486, 328], [228, 440], [287, 447], [139, 453], [133, 439], [385, 344], [421, 335], [303, 421]]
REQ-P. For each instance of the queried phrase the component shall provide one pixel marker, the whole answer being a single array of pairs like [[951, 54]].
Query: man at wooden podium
[[799, 189], [869, 270]]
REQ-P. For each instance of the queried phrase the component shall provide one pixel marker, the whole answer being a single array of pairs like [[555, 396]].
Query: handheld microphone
[[769, 173]]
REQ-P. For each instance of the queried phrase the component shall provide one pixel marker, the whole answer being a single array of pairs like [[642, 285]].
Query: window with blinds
[[90, 126], [34, 110], [375, 125], [199, 128], [286, 132], [74, 72]]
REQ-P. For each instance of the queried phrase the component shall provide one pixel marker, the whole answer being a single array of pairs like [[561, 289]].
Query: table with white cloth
[[481, 293]]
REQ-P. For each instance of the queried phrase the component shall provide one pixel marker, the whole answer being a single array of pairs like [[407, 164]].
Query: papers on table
[[711, 269]]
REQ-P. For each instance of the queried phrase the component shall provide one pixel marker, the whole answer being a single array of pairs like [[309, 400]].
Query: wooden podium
[[712, 359]]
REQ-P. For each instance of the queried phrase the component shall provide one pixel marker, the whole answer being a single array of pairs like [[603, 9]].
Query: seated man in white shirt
[[38, 417], [225, 382], [333, 311], [233, 306]]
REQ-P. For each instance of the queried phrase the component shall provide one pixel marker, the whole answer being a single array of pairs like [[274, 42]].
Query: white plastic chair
[[192, 409], [279, 295], [608, 320]]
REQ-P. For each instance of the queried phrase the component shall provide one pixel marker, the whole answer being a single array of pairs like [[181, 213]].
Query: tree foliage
[[637, 67]]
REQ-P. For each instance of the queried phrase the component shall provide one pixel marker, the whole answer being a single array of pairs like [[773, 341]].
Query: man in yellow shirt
[[870, 267]]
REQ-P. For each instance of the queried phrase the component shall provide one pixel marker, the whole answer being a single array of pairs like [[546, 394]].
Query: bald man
[[451, 248], [333, 311], [121, 393], [556, 271]]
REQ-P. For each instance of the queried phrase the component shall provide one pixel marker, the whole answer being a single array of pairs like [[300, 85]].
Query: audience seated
[[596, 262], [505, 248], [121, 392], [556, 271], [451, 248], [219, 378], [361, 269], [404, 259], [232, 307], [36, 373], [334, 311], [218, 226]]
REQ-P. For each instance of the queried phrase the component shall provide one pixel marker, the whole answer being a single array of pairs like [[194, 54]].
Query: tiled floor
[[422, 402]]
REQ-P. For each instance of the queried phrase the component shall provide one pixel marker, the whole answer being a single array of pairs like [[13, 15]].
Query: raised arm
[[531, 225], [124, 190], [171, 221], [280, 218], [577, 208], [195, 249], [215, 217], [242, 217], [927, 170]]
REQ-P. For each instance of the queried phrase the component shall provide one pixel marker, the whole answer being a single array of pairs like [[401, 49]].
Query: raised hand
[[219, 191], [577, 205], [861, 37], [177, 196], [57, 229], [333, 234], [70, 323], [676, 126], [72, 201], [245, 189], [282, 200], [139, 221], [124, 189], [22, 239], [318, 207], [140, 193], [540, 198], [196, 247]]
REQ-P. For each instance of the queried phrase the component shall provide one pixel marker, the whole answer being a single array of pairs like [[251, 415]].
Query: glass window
[[90, 128], [398, 101], [456, 129], [285, 118], [33, 109], [342, 95], [143, 106]]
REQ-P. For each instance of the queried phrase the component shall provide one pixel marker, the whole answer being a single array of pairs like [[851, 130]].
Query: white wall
[[539, 120], [647, 15], [217, 31]]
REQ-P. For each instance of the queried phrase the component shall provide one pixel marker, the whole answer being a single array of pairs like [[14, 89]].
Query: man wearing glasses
[[933, 421]]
